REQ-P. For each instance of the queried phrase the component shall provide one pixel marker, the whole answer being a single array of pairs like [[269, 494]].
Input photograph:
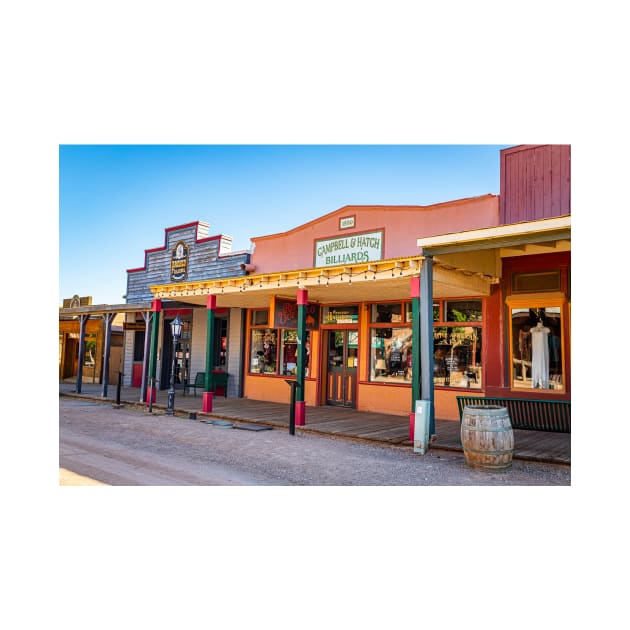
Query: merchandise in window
[[463, 310], [289, 352], [263, 349], [537, 348], [457, 356], [457, 350], [390, 355], [386, 313]]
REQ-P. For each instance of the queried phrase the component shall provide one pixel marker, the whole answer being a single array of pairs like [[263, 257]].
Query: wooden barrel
[[487, 437]]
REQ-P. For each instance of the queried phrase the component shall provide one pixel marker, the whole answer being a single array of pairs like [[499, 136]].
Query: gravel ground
[[129, 446]]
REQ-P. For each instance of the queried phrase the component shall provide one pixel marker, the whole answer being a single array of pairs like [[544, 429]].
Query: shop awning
[[382, 280]]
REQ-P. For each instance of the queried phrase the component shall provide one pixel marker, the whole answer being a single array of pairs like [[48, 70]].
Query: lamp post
[[176, 330]]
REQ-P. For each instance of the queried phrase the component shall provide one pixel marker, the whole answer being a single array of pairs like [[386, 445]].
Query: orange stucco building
[[376, 307]]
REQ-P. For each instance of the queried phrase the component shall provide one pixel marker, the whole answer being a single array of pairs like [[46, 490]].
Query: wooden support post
[[300, 404], [83, 319], [415, 352], [208, 393], [426, 338], [146, 355], [108, 318], [155, 325]]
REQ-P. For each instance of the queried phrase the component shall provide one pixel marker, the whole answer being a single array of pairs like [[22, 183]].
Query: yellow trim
[[405, 266], [553, 298]]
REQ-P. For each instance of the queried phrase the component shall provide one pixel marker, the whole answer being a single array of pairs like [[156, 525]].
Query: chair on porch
[[199, 382]]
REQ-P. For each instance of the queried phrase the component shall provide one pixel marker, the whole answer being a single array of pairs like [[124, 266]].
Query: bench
[[527, 413], [199, 382], [220, 379]]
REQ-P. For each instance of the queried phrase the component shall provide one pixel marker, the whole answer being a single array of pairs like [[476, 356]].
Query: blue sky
[[116, 200]]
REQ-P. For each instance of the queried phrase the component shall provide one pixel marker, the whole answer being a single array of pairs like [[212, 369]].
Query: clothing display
[[540, 356]]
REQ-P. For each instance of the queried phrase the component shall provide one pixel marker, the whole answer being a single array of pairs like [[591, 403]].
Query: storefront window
[[457, 356], [390, 355], [537, 348], [263, 349], [463, 311], [457, 350], [409, 312], [288, 352], [260, 317], [386, 313]]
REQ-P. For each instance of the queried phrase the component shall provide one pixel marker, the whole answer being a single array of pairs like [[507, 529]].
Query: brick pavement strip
[[129, 446]]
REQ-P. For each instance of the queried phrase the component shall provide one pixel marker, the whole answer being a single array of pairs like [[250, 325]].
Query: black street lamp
[[176, 330]]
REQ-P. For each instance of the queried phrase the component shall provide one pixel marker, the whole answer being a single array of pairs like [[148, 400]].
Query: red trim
[[172, 312], [209, 238], [163, 247], [151, 393], [415, 288], [300, 413], [302, 297], [156, 306], [211, 303], [206, 404]]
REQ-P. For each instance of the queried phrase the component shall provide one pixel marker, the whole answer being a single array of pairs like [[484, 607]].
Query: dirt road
[[129, 446]]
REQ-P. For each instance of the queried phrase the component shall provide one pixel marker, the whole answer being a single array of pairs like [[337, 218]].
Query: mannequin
[[540, 355]]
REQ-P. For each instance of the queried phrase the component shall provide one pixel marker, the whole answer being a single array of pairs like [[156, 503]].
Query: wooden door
[[71, 358], [342, 364]]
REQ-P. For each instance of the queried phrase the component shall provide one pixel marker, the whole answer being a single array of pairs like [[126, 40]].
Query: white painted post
[[421, 426]]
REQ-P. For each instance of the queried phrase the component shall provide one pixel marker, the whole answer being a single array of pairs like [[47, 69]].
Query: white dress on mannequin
[[540, 356]]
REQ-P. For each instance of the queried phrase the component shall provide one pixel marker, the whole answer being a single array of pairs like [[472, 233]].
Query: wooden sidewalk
[[338, 421]]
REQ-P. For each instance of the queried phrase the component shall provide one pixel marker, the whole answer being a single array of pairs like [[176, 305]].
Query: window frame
[[405, 323], [441, 322], [279, 332], [537, 301]]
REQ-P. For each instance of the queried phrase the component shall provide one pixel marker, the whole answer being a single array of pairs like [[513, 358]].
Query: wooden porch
[[335, 421]]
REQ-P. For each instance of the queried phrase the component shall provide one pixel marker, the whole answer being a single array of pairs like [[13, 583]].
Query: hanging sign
[[349, 249], [341, 315], [179, 262], [285, 315]]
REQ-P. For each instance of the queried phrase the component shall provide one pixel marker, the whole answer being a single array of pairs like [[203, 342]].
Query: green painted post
[[155, 325], [415, 351], [426, 337], [206, 404], [300, 405]]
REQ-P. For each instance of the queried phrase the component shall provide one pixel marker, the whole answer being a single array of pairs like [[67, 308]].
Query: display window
[[263, 350], [390, 346], [536, 347], [390, 355], [538, 326], [274, 351], [457, 348]]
